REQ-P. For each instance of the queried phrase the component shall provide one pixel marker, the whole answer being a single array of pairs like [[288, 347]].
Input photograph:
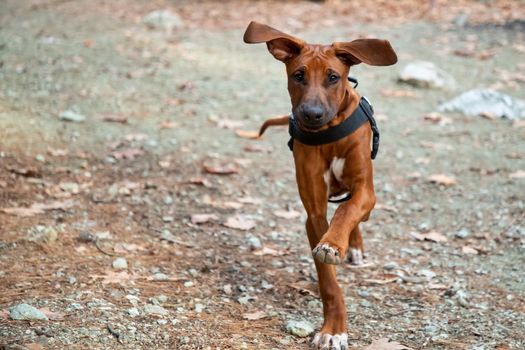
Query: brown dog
[[322, 98]]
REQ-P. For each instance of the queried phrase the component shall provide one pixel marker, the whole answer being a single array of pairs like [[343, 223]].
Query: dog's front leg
[[313, 191], [334, 243]]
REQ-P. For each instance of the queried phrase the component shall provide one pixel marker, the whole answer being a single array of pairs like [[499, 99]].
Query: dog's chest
[[334, 173]]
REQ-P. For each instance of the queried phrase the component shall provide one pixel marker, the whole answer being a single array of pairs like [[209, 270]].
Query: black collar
[[363, 113]]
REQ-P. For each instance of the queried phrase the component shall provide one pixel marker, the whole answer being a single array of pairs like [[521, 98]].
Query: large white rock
[[485, 102], [163, 19], [425, 74]]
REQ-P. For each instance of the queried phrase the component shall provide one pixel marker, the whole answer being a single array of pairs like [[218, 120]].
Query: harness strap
[[363, 113]]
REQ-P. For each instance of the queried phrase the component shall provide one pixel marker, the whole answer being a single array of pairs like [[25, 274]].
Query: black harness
[[363, 113]]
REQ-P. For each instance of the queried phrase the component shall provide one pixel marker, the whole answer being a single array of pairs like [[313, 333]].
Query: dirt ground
[[162, 111]]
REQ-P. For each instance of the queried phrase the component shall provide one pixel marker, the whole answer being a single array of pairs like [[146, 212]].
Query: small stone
[[425, 74], [365, 303], [40, 158], [188, 284], [165, 19], [199, 308], [168, 200], [426, 273], [159, 276], [167, 218], [363, 293], [266, 285], [391, 266], [120, 263], [155, 310], [71, 116], [245, 299], [299, 328], [463, 233], [72, 280], [74, 307], [26, 312], [133, 312], [254, 243], [69, 187], [162, 321]]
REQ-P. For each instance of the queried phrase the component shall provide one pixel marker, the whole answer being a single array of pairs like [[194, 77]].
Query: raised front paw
[[322, 341], [326, 254]]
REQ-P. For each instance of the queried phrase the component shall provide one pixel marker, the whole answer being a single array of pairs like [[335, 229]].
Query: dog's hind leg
[[355, 249]]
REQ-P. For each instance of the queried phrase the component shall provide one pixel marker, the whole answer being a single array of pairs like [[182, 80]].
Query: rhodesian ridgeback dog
[[322, 98]]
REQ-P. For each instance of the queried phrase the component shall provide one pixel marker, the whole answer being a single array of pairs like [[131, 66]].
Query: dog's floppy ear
[[375, 52], [282, 46]]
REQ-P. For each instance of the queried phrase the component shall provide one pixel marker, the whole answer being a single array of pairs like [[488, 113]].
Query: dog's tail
[[283, 120]]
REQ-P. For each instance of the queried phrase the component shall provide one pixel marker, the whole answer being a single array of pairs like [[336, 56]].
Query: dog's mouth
[[311, 124]]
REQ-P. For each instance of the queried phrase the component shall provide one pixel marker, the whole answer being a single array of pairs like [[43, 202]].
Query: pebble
[[168, 200], [299, 328], [71, 116], [159, 276], [363, 293], [199, 308], [188, 284], [133, 312], [391, 265], [426, 273], [254, 243], [463, 233], [26, 312], [163, 19], [120, 263], [155, 310], [365, 303]]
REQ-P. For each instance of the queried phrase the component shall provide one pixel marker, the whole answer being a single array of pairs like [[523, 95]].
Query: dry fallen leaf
[[305, 287], [221, 169], [437, 118], [253, 316], [442, 179], [129, 153], [240, 222], [115, 118], [386, 279], [122, 277], [55, 316], [287, 214], [469, 250], [385, 344], [520, 174], [203, 218], [269, 251], [38, 208], [254, 148], [168, 124], [200, 181], [229, 123], [432, 236], [397, 93], [247, 134]]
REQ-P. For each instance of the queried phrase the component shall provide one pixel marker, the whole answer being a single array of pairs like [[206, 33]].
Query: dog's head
[[317, 73]]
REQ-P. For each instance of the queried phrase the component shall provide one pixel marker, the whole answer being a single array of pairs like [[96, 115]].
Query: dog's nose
[[313, 112]]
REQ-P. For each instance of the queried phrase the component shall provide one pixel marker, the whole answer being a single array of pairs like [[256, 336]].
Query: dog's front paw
[[328, 341], [325, 254]]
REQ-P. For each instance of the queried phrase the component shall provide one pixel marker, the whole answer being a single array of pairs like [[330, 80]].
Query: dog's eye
[[332, 78], [298, 77]]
